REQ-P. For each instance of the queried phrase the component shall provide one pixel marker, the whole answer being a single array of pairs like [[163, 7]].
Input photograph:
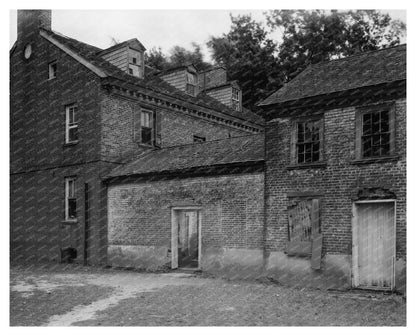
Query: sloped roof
[[364, 69], [92, 55], [205, 154], [133, 43]]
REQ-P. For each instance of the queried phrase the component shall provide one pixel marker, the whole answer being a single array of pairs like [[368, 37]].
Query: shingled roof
[[247, 149], [361, 70], [154, 83]]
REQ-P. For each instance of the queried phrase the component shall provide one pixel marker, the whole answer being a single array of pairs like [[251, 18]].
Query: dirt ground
[[65, 295]]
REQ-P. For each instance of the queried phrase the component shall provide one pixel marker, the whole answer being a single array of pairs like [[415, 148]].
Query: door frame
[[174, 233], [355, 273]]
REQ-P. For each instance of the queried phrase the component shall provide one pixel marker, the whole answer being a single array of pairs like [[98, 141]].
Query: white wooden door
[[375, 245]]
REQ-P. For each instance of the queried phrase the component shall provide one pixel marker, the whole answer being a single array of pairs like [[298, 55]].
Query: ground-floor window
[[70, 199]]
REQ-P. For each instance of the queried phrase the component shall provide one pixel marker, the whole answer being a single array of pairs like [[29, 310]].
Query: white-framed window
[[71, 129], [52, 70], [70, 199], [235, 99], [191, 83], [144, 127]]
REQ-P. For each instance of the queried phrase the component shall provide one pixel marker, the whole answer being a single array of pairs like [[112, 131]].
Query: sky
[[154, 28]]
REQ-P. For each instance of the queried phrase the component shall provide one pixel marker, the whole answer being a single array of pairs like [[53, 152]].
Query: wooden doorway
[[186, 238], [374, 244]]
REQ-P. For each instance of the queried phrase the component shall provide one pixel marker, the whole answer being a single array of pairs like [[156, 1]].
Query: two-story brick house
[[335, 174], [77, 112]]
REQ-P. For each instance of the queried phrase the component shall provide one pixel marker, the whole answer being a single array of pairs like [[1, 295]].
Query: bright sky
[[154, 28]]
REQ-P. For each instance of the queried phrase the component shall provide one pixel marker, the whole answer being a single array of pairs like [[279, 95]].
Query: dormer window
[[235, 99], [191, 84], [52, 70]]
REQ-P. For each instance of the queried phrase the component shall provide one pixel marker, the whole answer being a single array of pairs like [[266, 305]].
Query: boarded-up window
[[304, 225]]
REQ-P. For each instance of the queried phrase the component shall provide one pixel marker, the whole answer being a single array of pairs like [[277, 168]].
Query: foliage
[[249, 57], [313, 36], [178, 56]]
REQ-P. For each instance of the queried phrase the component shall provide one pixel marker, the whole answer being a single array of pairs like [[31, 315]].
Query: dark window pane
[[72, 208], [190, 89], [308, 132], [376, 123], [384, 121], [366, 143], [146, 136], [73, 134], [385, 149], [367, 124]]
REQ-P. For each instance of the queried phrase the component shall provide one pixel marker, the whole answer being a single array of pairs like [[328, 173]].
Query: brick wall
[[232, 210], [338, 182], [176, 128], [37, 214], [37, 108]]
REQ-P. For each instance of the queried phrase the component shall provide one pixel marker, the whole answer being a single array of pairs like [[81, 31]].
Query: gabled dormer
[[128, 56], [183, 78]]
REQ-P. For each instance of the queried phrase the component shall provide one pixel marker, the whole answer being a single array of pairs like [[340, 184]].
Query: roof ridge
[[357, 55]]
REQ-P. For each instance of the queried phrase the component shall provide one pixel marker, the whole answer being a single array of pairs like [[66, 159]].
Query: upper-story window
[[235, 99], [134, 60], [52, 70], [307, 141], [144, 132], [375, 132], [191, 83], [71, 124]]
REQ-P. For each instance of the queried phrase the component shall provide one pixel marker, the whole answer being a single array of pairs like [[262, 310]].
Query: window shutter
[[321, 139], [392, 129], [136, 126], [358, 132], [293, 139], [157, 129]]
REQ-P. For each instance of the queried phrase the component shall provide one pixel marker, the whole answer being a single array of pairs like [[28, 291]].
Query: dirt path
[[87, 296], [126, 285]]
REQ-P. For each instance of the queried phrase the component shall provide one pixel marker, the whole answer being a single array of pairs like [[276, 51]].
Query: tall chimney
[[29, 22]]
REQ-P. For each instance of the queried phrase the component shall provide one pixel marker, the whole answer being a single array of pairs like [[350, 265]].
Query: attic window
[[190, 84], [52, 70], [235, 99]]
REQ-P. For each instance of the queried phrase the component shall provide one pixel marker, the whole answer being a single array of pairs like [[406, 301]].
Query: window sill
[[307, 166], [376, 160], [70, 144], [70, 222]]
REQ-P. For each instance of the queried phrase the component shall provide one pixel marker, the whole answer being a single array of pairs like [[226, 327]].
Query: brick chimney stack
[[29, 22]]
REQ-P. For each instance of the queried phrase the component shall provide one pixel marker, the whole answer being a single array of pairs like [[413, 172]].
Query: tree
[[155, 58], [178, 56], [181, 56], [313, 36], [249, 57]]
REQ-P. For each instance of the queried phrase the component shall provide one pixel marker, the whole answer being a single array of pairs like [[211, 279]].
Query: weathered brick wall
[[40, 159], [339, 181], [37, 108], [118, 142], [37, 214], [232, 210]]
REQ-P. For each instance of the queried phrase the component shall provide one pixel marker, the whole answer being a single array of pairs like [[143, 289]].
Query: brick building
[[115, 163], [335, 173], [78, 111]]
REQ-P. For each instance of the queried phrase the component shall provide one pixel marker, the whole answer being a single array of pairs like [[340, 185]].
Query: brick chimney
[[29, 22]]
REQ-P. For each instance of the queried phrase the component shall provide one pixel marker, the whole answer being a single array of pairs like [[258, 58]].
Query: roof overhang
[[73, 54], [359, 96]]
